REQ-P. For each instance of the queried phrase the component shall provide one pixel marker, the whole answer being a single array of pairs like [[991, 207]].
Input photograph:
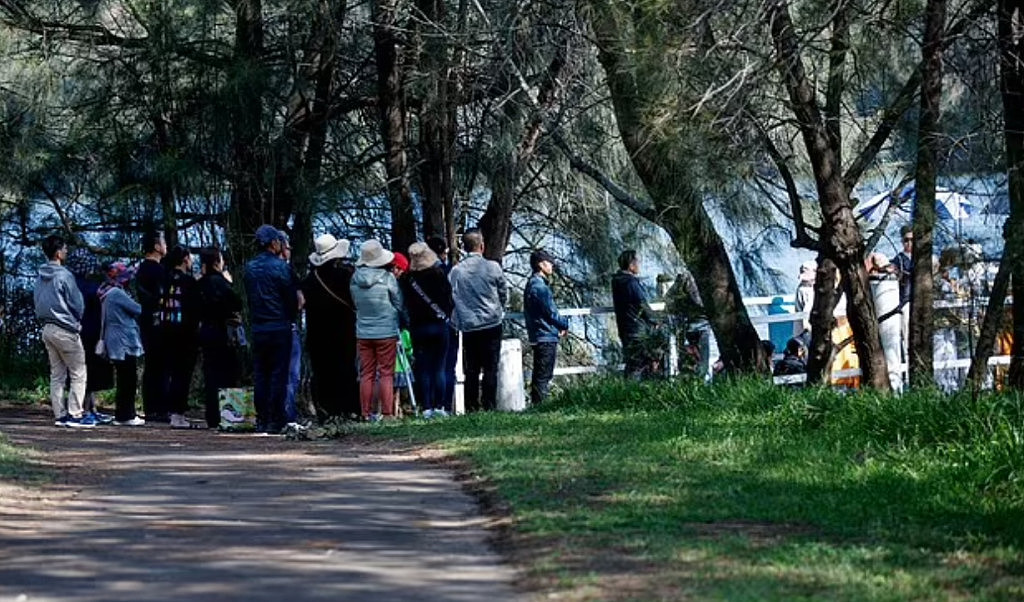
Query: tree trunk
[[1011, 47], [391, 103], [250, 204], [678, 206], [437, 122], [841, 237], [822, 319], [301, 149], [922, 327]]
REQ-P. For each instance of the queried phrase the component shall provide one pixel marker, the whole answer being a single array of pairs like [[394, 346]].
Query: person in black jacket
[[149, 288], [179, 322], [331, 329], [793, 360], [631, 315], [99, 371], [428, 301], [220, 317]]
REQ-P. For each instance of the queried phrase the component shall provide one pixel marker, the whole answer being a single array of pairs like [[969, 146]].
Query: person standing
[[904, 262], [122, 341], [631, 314], [480, 294], [544, 325], [439, 246], [150, 278], [59, 307], [804, 299], [179, 323], [220, 317], [331, 329], [886, 290], [99, 371], [291, 410], [428, 300], [378, 302], [273, 306]]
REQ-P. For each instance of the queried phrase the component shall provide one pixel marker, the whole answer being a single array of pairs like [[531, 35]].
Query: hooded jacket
[[480, 293], [378, 303], [57, 298], [121, 327]]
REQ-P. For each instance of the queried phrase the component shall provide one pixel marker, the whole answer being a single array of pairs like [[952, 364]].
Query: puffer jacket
[[378, 301], [120, 324], [272, 293], [543, 322], [480, 293], [57, 298]]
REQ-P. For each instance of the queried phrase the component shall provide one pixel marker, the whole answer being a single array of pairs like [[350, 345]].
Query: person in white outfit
[[804, 299], [885, 288]]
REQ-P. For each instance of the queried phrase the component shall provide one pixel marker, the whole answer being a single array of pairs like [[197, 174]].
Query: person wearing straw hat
[[273, 307], [331, 329], [480, 295], [428, 299], [378, 302]]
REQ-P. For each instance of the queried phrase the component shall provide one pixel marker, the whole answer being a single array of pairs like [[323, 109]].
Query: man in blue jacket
[[544, 325], [273, 307]]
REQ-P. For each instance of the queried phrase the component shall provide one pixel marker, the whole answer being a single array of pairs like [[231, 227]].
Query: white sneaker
[[428, 414], [179, 421], [133, 422], [440, 413]]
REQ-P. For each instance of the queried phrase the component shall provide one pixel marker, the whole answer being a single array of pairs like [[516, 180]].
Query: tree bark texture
[[437, 119], [823, 321], [251, 205], [841, 237], [1011, 47], [922, 326], [678, 207], [391, 103]]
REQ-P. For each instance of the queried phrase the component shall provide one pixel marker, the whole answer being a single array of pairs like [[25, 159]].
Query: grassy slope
[[745, 491]]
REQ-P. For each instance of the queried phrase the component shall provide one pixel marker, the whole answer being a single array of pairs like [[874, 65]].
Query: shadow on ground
[[152, 514]]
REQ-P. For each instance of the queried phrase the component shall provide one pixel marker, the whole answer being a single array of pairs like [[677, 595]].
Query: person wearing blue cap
[[273, 307]]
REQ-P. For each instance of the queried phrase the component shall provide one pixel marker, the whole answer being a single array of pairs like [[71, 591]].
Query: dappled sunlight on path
[[154, 514]]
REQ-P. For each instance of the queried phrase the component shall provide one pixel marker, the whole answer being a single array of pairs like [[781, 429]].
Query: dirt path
[[147, 514]]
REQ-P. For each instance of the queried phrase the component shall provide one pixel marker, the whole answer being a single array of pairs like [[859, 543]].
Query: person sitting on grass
[[793, 359]]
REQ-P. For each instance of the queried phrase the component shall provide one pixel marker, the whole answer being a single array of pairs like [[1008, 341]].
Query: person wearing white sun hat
[[331, 329], [378, 303]]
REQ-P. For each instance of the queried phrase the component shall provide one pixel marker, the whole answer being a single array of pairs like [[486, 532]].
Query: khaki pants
[[66, 357]]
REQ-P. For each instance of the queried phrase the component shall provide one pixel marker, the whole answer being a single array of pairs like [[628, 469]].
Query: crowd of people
[[101, 320]]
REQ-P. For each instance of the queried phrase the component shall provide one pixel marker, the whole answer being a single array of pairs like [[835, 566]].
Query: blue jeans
[[291, 412], [450, 360], [272, 352], [430, 352]]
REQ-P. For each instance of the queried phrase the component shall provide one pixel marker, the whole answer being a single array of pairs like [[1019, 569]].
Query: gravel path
[[148, 514]]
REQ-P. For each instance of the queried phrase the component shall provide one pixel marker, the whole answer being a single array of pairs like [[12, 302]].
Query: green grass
[[655, 491], [17, 465]]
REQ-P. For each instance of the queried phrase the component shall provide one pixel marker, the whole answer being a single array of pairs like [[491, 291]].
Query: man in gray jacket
[[480, 294], [59, 307]]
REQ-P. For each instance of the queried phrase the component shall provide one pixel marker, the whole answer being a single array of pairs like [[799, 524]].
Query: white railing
[[764, 320]]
